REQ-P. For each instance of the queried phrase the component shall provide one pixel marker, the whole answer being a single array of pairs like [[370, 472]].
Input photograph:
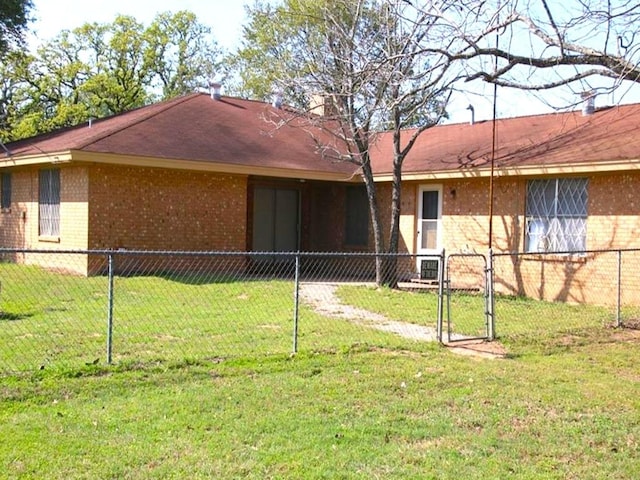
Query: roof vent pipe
[[588, 106], [215, 90], [277, 100], [473, 114]]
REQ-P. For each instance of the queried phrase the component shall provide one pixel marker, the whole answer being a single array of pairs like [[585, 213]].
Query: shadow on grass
[[211, 277], [13, 317]]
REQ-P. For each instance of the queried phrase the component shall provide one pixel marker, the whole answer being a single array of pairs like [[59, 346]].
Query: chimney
[[588, 106], [322, 105], [215, 87], [473, 114]]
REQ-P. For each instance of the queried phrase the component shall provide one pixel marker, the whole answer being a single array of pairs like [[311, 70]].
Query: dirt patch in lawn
[[479, 348]]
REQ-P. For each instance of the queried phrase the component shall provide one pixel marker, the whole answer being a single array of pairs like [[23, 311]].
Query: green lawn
[[203, 386], [366, 413], [521, 323], [52, 320]]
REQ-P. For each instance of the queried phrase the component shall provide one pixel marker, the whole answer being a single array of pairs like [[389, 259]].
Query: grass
[[52, 320], [523, 323], [366, 413], [204, 387]]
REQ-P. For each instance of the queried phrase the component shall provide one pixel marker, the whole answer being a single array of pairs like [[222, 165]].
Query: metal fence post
[[441, 262], [619, 300], [296, 303], [491, 299], [110, 311]]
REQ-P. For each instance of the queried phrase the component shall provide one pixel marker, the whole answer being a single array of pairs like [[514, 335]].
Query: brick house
[[195, 173], [562, 182], [191, 173]]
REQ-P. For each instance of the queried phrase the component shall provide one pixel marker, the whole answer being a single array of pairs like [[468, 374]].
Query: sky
[[226, 17]]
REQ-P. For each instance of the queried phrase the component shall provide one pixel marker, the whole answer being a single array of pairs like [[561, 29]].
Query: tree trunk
[[374, 213], [390, 278]]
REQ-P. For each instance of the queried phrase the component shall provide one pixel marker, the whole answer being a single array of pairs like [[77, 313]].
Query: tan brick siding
[[614, 211], [161, 209], [20, 226], [106, 207], [613, 222], [14, 222]]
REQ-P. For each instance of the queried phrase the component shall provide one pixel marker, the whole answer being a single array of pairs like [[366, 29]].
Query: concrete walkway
[[322, 297]]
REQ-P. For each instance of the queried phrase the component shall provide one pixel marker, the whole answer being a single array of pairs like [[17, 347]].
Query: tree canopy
[[584, 45], [97, 70], [14, 17]]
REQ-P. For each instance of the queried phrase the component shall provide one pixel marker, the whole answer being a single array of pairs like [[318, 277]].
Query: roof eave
[[67, 156], [209, 166], [63, 156], [519, 171]]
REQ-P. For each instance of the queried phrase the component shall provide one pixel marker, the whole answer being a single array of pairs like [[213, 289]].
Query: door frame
[[298, 215], [422, 252]]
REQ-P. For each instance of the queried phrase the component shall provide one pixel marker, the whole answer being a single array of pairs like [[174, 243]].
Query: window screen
[[557, 215], [50, 202]]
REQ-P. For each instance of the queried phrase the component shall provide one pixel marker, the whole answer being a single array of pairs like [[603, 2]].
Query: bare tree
[[375, 65], [586, 45]]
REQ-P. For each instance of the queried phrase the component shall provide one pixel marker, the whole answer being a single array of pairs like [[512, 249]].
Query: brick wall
[[161, 209], [613, 222], [14, 228], [20, 226]]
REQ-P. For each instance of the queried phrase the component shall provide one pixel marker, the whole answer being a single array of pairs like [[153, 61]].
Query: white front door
[[429, 215]]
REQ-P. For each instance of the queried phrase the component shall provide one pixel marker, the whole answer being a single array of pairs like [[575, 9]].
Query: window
[[357, 217], [50, 203], [557, 215], [429, 219], [5, 200]]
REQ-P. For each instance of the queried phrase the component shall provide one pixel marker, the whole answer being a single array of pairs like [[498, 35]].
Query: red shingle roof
[[610, 134], [234, 131], [194, 127]]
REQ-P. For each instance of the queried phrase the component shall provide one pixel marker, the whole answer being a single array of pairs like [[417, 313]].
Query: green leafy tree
[[90, 72], [12, 70], [181, 53], [116, 78], [98, 70], [14, 17]]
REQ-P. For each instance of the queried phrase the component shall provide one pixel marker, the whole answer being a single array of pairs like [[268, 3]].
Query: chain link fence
[[554, 297], [67, 309], [64, 309]]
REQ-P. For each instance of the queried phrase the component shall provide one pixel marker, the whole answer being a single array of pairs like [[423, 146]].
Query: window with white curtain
[[557, 215]]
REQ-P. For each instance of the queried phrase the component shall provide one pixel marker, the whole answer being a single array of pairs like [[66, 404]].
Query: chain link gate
[[467, 295]]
